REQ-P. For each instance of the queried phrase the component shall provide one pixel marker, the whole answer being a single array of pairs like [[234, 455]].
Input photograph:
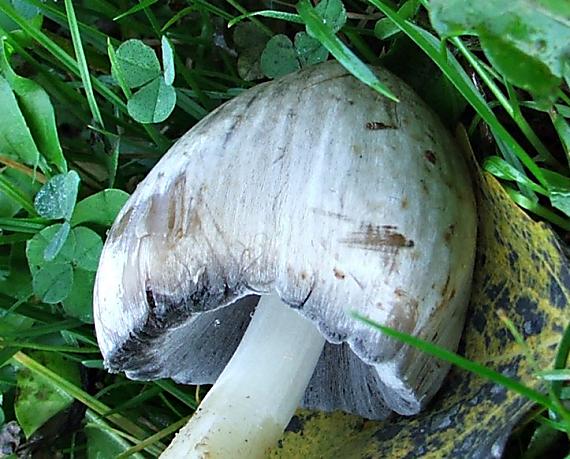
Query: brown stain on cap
[[378, 238], [379, 126], [339, 274]]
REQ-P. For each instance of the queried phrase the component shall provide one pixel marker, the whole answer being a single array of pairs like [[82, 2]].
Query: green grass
[[72, 51]]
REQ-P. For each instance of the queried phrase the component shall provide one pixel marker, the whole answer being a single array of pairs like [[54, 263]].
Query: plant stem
[[254, 398]]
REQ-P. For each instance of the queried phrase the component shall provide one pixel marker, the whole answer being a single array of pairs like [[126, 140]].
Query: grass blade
[[289, 17], [561, 360], [154, 438], [135, 9], [49, 347], [16, 195], [78, 394], [554, 375], [512, 109], [538, 209], [461, 362], [171, 388], [82, 62]]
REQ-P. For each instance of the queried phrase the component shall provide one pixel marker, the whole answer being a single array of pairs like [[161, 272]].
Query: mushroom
[[317, 196]]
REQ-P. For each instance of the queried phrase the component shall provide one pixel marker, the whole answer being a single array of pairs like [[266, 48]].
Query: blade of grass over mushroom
[[82, 62], [339, 50], [461, 362], [451, 68]]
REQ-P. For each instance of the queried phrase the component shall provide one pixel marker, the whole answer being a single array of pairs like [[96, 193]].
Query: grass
[[75, 54]]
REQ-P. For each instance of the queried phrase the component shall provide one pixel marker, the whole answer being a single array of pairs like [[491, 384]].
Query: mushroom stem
[[256, 395]]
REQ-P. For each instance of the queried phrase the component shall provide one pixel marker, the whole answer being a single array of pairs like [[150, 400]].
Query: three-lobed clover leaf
[[281, 56], [136, 65]]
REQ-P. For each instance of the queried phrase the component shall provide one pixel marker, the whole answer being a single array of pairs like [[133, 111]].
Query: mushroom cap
[[318, 188]]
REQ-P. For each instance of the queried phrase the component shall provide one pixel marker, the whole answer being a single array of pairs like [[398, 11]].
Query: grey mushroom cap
[[318, 188]]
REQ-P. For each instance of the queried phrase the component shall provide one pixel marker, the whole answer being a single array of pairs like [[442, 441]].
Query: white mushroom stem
[[256, 395]]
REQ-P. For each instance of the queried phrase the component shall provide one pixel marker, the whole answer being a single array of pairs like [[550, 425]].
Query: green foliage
[[385, 28], [38, 112], [52, 283], [309, 50], [56, 199], [558, 190], [77, 98], [57, 242], [250, 42], [153, 102], [100, 208], [333, 14], [281, 57], [168, 61], [527, 41], [36, 248], [137, 65], [38, 398], [25, 9], [65, 275], [102, 441], [88, 248], [79, 299], [16, 139]]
